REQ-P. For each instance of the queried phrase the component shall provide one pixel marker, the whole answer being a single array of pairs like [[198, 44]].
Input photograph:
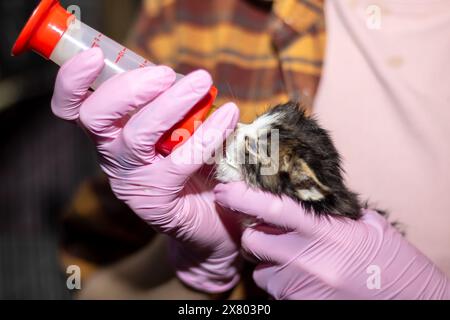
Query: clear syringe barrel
[[57, 35], [80, 37]]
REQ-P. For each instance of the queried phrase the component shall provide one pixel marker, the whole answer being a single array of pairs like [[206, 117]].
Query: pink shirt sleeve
[[385, 96]]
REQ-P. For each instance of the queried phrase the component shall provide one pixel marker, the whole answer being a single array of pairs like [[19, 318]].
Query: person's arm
[[304, 256]]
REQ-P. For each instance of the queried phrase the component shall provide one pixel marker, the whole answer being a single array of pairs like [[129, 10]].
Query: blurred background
[[46, 159]]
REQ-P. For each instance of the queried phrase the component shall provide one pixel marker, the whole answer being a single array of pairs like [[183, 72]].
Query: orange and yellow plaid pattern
[[260, 53]]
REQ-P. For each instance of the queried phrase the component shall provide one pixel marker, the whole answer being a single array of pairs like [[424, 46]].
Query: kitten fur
[[307, 162]]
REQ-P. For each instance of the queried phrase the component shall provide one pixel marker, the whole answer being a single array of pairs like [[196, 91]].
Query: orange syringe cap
[[44, 29]]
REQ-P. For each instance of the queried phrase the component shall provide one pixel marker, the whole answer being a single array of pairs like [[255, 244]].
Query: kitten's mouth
[[228, 159], [231, 164], [228, 167]]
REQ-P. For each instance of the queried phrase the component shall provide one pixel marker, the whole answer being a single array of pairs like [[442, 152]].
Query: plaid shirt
[[260, 53]]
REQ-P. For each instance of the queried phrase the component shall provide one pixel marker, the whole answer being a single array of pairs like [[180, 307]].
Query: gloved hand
[[168, 193], [302, 256]]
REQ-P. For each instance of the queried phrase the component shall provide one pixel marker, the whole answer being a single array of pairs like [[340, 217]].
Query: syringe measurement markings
[[97, 39], [144, 64], [120, 55]]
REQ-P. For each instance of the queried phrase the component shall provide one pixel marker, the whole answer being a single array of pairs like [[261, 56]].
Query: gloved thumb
[[73, 82], [201, 147]]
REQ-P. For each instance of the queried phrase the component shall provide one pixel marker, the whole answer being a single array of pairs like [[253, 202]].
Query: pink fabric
[[125, 118], [303, 256], [385, 96]]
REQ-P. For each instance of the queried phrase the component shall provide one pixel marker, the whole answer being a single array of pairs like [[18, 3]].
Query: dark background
[[42, 159]]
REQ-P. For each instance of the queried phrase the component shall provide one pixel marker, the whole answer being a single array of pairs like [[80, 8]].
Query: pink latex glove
[[168, 193], [302, 256]]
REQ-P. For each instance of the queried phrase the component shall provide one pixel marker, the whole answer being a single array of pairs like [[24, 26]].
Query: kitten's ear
[[308, 186]]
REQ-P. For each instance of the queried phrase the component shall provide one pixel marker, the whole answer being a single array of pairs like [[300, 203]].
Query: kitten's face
[[241, 150], [286, 153]]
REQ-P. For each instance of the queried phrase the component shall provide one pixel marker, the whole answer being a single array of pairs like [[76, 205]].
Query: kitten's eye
[[258, 151], [251, 145]]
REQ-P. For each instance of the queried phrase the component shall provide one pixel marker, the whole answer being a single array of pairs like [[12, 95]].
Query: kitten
[[285, 152]]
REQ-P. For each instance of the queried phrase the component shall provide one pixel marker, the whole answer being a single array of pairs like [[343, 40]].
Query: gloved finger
[[145, 129], [200, 148], [73, 82], [270, 245], [288, 282], [102, 112], [263, 274], [281, 212]]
